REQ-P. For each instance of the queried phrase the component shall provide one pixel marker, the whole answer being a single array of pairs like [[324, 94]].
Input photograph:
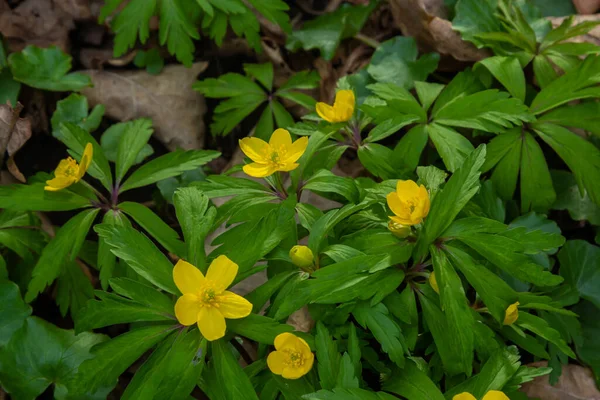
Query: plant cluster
[[439, 273]]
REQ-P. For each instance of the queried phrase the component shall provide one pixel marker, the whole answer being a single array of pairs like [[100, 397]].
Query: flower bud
[[511, 314], [302, 256], [399, 230], [433, 282]]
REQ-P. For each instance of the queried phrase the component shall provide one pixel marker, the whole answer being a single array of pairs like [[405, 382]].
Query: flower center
[[295, 358], [71, 168], [208, 295]]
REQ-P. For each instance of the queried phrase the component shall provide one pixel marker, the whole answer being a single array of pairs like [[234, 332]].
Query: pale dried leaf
[[14, 131], [14, 170], [301, 320], [586, 6], [592, 36], [168, 99], [575, 383], [425, 21]]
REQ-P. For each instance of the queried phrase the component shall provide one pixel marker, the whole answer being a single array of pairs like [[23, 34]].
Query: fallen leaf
[[593, 36], [41, 23], [168, 99], [14, 133], [301, 320], [586, 6], [425, 21], [575, 383]]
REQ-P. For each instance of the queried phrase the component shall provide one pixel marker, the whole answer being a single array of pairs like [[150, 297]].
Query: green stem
[[100, 195], [367, 40]]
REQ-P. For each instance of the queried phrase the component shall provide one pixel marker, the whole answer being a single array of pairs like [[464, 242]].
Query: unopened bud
[[399, 230], [433, 283], [302, 256]]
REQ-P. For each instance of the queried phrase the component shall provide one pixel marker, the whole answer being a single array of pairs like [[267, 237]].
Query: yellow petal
[[495, 395], [292, 373], [86, 160], [511, 314], [308, 364], [59, 183], [395, 204], [284, 340], [280, 138], [424, 196], [222, 271], [326, 112], [287, 167], [211, 323], [402, 220], [187, 278], [297, 149], [187, 309], [407, 189], [256, 149], [65, 165], [257, 170], [433, 283], [344, 105], [234, 306], [276, 362], [464, 396]]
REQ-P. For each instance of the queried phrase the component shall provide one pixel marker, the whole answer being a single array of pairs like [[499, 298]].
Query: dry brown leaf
[[176, 110], [425, 21], [592, 36], [14, 133], [41, 22], [575, 383], [587, 6]]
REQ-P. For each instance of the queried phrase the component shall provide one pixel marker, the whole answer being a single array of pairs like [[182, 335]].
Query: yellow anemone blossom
[[491, 395], [205, 300], [280, 154], [69, 172], [342, 109], [302, 256], [410, 203], [433, 282], [511, 314], [292, 357]]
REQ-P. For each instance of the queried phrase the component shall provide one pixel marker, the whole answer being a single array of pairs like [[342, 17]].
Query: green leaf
[[569, 198], [537, 192], [348, 394], [389, 127], [143, 294], [222, 185], [508, 71], [457, 192], [230, 377], [282, 117], [156, 227], [262, 73], [140, 254], [106, 259], [13, 311], [354, 350], [588, 346], [396, 61], [579, 83], [301, 80], [134, 18], [65, 246], [46, 69], [322, 227], [73, 289], [151, 60], [41, 355], [580, 266], [328, 182], [541, 328], [585, 115], [111, 139], [177, 29], [74, 109], [582, 157], [489, 111], [132, 141], [432, 177], [458, 313], [409, 148], [377, 159], [228, 85], [259, 328], [452, 146], [504, 151], [196, 219], [328, 356], [9, 88], [413, 384], [327, 31], [385, 330], [171, 372], [171, 164], [474, 17], [76, 138], [114, 356], [428, 93]]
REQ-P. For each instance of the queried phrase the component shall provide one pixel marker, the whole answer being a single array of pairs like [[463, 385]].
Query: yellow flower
[[280, 154], [433, 282], [342, 110], [292, 357], [302, 256], [69, 172], [205, 300], [491, 395], [511, 314], [409, 202], [399, 230]]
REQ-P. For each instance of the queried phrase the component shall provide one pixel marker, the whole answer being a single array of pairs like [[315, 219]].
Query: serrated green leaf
[[328, 356], [326, 181], [230, 377], [377, 159], [322, 227], [46, 69], [73, 289], [580, 266], [171, 164], [221, 186], [541, 328], [131, 22], [409, 148], [74, 109], [585, 115], [13, 311], [428, 93], [508, 71], [452, 146], [258, 328], [111, 139], [505, 151], [106, 259], [151, 60], [412, 383], [133, 139], [537, 192], [65, 246], [177, 29], [473, 17], [348, 394], [35, 198], [262, 73]]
